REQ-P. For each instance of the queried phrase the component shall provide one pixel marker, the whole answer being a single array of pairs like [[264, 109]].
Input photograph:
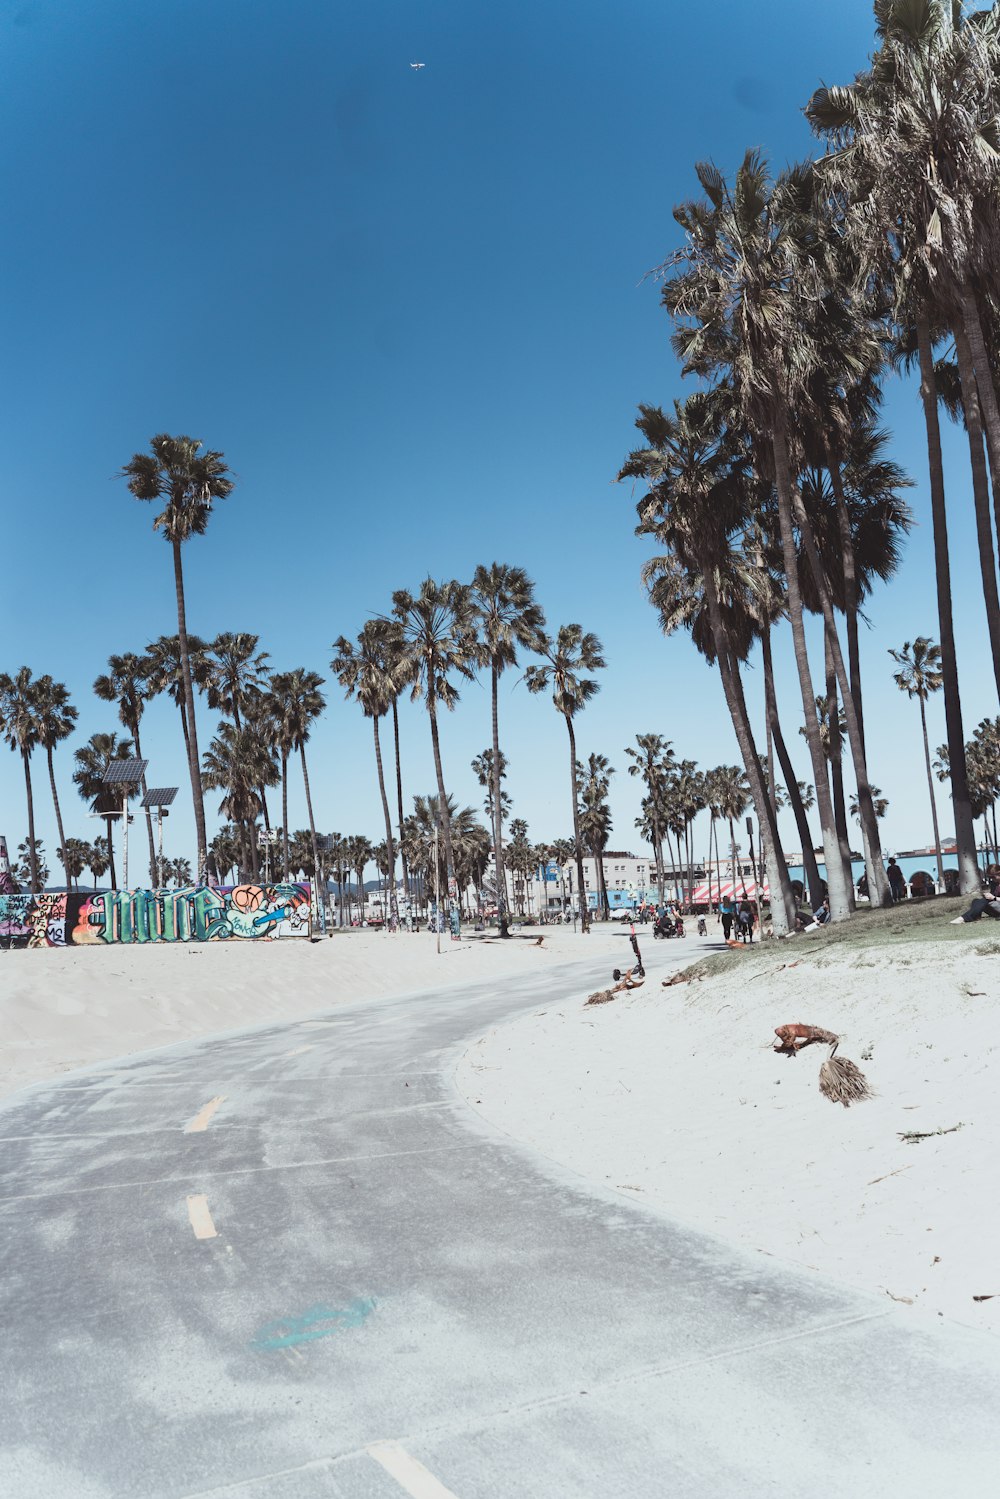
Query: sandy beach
[[65, 1008], [675, 1098]]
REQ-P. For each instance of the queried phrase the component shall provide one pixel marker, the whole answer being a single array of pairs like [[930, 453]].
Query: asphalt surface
[[391, 1298]]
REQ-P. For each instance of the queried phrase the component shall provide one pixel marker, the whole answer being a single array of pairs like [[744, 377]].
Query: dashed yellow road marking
[[200, 1120], [408, 1473], [201, 1218]]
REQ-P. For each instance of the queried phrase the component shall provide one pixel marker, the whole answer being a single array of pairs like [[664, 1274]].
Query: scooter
[[637, 971]]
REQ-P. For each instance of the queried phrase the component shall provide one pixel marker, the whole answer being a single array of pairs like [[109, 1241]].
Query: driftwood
[[911, 1136], [792, 1038]]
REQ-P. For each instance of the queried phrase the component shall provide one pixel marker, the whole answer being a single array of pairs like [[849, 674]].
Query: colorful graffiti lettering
[[194, 914]]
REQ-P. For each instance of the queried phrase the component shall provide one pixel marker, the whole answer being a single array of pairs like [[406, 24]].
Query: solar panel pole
[[125, 836], [159, 860]]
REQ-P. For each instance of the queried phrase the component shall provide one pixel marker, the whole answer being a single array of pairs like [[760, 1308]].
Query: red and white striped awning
[[703, 894]]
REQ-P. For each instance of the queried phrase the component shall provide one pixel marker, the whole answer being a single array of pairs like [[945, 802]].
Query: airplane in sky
[[416, 65]]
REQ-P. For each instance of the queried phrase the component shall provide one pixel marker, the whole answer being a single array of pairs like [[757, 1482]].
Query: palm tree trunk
[[390, 847], [981, 497], [109, 824], [602, 884], [851, 604], [284, 814], [317, 871], [782, 904], [837, 766], [810, 868], [878, 884], [840, 907], [399, 800], [584, 903], [965, 833], [32, 855], [58, 812], [445, 819], [983, 374], [497, 819], [930, 789], [194, 760]]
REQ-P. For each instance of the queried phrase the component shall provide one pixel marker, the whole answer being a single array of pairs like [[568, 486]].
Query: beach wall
[[196, 913]]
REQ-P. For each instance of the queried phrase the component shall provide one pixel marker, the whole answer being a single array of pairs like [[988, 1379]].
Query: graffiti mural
[[197, 913]]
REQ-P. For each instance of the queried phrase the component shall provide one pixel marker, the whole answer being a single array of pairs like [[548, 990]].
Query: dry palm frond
[[842, 1082], [601, 997]]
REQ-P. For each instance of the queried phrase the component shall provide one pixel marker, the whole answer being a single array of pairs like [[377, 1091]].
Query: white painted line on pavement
[[200, 1120], [408, 1473], [201, 1218], [298, 1051]]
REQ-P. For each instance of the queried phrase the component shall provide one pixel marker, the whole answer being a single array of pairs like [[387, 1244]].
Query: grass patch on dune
[[898, 927]]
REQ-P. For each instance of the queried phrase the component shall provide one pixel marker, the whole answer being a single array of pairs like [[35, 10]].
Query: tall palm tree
[[238, 762], [296, 703], [732, 795], [594, 780], [186, 482], [696, 507], [165, 673], [92, 760], [437, 641], [652, 761], [360, 852], [126, 684], [56, 718], [919, 675], [19, 703], [508, 616], [368, 673], [567, 657], [738, 298], [237, 672]]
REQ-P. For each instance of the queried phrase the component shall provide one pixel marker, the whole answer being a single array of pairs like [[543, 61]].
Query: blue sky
[[410, 308]]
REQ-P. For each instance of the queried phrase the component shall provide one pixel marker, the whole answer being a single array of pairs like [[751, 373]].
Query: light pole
[[437, 892]]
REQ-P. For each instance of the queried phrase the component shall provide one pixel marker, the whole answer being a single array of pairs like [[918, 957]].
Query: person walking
[[746, 920], [897, 880], [726, 916]]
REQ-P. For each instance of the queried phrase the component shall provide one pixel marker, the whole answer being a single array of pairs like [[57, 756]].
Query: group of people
[[737, 917]]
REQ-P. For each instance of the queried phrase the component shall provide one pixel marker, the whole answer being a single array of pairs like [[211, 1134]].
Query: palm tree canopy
[[55, 716], [164, 669], [438, 638], [372, 670], [19, 701], [295, 701], [570, 655], [127, 683], [503, 600], [92, 760], [237, 671], [920, 671], [185, 480]]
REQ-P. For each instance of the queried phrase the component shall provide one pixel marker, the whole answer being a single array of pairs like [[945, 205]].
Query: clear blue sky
[[410, 308]]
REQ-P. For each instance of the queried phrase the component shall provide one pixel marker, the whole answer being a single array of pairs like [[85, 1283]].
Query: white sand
[[63, 1008], [675, 1097]]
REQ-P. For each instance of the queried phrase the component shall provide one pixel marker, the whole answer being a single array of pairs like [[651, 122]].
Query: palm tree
[[508, 616], [732, 794], [56, 718], [919, 675], [360, 853], [98, 859], [126, 683], [696, 507], [567, 657], [239, 762], [740, 300], [165, 673], [237, 673], [368, 672], [186, 482], [92, 760], [225, 852], [437, 640], [296, 702], [881, 804], [652, 761], [19, 704], [74, 856], [594, 781], [32, 864], [914, 145]]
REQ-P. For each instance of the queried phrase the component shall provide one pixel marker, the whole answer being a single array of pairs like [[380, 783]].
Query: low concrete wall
[[196, 913]]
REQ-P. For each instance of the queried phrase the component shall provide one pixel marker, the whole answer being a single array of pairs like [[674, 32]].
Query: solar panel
[[160, 796], [124, 772]]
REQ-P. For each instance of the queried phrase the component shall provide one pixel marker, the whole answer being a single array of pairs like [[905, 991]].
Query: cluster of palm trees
[[768, 490]]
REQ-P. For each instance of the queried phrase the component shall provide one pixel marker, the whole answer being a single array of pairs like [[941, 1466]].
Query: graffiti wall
[[196, 913]]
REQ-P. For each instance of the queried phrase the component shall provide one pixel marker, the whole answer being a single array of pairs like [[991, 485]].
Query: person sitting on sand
[[987, 904]]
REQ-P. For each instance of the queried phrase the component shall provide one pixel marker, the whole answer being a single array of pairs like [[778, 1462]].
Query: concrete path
[[290, 1265]]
